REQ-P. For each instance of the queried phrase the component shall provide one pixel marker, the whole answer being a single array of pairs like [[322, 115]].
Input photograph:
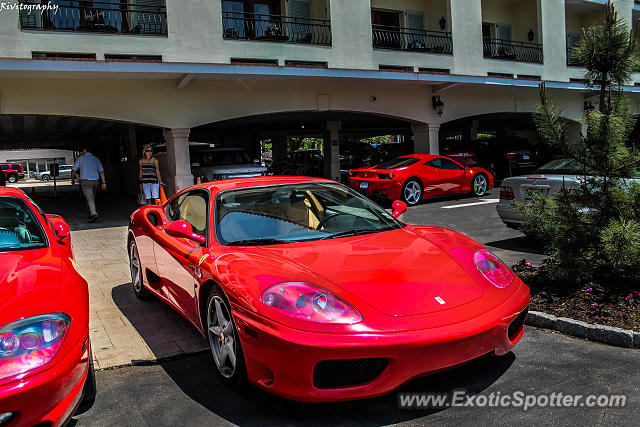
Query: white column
[[554, 39], [178, 162], [351, 36], [332, 153], [624, 9], [425, 138], [466, 32]]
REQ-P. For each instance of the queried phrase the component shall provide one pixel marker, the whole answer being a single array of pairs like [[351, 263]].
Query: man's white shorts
[[151, 191]]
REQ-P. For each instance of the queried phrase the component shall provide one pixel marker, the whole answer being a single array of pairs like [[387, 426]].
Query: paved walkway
[[123, 329]]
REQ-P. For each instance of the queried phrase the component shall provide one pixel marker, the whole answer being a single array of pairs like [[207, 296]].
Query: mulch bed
[[611, 304]]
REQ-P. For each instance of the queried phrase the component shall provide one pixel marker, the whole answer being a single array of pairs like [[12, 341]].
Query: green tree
[[589, 229]]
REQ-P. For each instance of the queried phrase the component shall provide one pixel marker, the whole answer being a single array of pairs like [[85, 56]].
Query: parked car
[[64, 172], [546, 181], [212, 164], [12, 171], [306, 289], [46, 367], [507, 156], [420, 176]]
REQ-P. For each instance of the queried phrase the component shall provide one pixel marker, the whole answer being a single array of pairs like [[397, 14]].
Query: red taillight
[[511, 155], [350, 172], [506, 193], [493, 269]]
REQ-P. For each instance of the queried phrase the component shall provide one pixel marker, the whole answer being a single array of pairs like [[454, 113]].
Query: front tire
[[135, 266], [90, 390], [412, 192], [479, 185], [46, 177], [12, 178], [224, 342]]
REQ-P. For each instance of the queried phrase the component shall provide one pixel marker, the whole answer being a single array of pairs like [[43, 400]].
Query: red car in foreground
[[416, 177], [309, 290], [46, 369]]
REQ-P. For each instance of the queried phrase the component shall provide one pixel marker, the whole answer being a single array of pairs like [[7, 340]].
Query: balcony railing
[[96, 16], [512, 51], [571, 58], [386, 37], [275, 28]]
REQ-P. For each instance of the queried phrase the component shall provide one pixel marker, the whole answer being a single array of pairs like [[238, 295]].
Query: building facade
[[236, 72]]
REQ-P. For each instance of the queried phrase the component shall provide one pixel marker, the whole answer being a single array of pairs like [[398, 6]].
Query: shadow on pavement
[[166, 333], [518, 244], [254, 406]]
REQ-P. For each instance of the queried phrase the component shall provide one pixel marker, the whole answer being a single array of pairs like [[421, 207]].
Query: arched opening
[[308, 142]]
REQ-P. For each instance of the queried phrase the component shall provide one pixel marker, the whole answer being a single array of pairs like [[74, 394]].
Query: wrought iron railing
[[387, 37], [96, 16], [513, 51], [572, 59], [275, 28]]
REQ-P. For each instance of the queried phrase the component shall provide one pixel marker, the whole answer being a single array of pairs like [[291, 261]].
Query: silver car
[[211, 164], [64, 173], [546, 181]]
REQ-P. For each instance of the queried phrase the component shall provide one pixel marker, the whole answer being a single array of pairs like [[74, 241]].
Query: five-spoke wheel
[[412, 192], [479, 185], [135, 266]]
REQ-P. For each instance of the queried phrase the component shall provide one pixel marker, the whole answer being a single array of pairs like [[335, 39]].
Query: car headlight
[[30, 343], [493, 269], [307, 302]]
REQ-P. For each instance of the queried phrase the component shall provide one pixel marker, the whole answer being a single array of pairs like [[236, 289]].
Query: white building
[[236, 72]]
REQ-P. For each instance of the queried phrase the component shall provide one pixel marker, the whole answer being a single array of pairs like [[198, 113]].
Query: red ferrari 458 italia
[[46, 368], [420, 176], [308, 290]]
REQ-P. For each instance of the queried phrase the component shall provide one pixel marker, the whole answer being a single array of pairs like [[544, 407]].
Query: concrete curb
[[600, 333]]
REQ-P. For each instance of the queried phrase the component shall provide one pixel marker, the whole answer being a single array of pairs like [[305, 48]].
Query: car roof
[[258, 181], [11, 191], [423, 156]]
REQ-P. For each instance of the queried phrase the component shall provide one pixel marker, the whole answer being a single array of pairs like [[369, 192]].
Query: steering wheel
[[328, 218]]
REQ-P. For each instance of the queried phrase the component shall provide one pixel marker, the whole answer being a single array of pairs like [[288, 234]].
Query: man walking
[[91, 174]]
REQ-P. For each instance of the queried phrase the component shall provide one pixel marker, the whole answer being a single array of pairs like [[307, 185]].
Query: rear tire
[[46, 177], [412, 192], [224, 342], [479, 185], [136, 269], [12, 178], [90, 390]]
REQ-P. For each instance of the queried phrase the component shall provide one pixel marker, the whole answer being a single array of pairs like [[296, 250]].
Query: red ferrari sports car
[[46, 368], [420, 176], [309, 290]]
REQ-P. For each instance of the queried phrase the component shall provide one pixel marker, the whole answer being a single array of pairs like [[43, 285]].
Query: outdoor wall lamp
[[530, 35], [443, 23], [438, 105]]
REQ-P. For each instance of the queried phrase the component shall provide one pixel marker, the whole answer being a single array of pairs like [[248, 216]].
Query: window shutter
[[414, 20], [300, 9]]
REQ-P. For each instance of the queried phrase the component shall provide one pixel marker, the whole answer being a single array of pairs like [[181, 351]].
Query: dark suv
[[12, 171]]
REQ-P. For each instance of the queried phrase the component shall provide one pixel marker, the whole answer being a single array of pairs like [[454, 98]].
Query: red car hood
[[29, 285], [397, 272]]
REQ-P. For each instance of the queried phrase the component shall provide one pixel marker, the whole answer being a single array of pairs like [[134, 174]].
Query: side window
[[191, 207], [435, 163], [4, 167], [451, 165]]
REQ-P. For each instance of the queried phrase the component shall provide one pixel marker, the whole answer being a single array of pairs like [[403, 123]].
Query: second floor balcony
[[512, 50], [389, 37], [149, 18], [275, 28]]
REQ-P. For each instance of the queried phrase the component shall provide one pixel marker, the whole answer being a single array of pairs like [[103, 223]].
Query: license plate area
[[364, 185]]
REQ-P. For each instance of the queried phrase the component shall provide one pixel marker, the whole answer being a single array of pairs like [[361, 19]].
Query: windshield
[[224, 158], [562, 166], [398, 162], [19, 228], [296, 213]]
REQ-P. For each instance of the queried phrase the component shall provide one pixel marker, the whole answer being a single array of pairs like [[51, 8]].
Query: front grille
[[517, 324], [347, 372]]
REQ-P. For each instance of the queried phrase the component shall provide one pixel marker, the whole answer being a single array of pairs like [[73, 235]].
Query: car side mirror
[[60, 228], [399, 207], [183, 230]]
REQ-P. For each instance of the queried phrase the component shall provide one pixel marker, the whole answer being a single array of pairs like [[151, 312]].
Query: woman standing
[[149, 175]]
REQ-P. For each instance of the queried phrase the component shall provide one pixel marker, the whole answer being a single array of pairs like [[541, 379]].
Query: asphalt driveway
[[188, 392]]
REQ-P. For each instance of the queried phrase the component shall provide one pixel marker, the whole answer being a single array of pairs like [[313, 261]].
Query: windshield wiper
[[257, 242], [349, 233]]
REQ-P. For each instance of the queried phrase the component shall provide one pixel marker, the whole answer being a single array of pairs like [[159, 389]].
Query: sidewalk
[[123, 329]]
